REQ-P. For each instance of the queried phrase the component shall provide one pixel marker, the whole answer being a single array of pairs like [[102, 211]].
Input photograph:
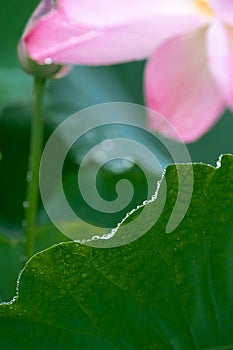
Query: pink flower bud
[[43, 70]]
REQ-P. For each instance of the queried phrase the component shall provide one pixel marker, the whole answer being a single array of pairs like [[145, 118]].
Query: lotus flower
[[188, 44]]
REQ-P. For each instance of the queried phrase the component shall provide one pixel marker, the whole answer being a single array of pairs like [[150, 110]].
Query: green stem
[[36, 142]]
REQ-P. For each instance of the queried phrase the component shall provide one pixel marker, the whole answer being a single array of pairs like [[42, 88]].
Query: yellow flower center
[[204, 7]]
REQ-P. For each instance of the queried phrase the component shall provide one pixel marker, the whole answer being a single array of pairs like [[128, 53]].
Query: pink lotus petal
[[179, 85], [106, 37], [220, 55], [116, 12], [223, 9], [43, 8], [52, 34]]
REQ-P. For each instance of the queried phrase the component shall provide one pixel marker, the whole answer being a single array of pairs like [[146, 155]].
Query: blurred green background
[[83, 87]]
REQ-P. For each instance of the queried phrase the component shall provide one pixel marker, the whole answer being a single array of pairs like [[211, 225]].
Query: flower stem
[[36, 142]]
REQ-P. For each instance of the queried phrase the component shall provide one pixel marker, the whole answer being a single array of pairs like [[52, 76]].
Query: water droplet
[[29, 176], [48, 61], [95, 238], [25, 204]]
